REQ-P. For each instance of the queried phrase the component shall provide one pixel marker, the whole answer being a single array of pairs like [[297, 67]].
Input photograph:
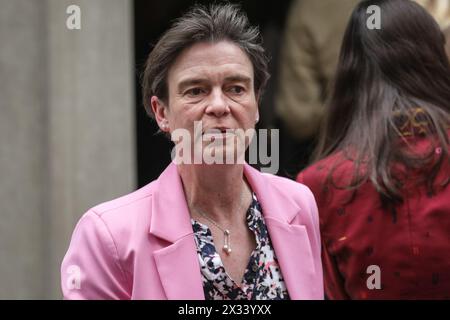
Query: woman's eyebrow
[[198, 81], [190, 82], [239, 78]]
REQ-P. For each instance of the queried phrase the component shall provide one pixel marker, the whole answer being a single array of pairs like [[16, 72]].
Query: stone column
[[66, 130]]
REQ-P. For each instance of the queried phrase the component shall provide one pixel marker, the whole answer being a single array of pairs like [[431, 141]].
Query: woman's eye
[[194, 92], [237, 89]]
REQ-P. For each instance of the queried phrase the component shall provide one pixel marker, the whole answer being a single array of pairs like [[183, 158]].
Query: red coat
[[412, 251]]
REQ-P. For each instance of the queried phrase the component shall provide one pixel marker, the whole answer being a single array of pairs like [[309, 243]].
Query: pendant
[[227, 245]]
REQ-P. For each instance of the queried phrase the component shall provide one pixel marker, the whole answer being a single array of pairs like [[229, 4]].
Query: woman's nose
[[218, 105]]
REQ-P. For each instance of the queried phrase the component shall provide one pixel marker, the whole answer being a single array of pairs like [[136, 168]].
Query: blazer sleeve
[[91, 268], [316, 239]]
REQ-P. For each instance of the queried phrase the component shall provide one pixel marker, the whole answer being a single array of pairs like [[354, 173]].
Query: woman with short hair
[[202, 230]]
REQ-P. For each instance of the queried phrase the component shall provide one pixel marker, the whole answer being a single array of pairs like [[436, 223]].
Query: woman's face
[[211, 83]]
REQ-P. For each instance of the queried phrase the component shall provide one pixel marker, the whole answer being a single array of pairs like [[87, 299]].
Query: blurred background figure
[[309, 54], [382, 177], [440, 10]]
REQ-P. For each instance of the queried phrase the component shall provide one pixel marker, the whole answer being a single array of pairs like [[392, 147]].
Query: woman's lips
[[218, 133]]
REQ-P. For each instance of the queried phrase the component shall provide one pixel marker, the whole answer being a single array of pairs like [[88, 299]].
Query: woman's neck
[[220, 191]]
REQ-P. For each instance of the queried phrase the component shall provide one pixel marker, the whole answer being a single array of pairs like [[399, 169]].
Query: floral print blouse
[[262, 278]]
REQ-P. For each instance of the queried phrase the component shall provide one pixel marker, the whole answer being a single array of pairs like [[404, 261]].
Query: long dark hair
[[385, 76]]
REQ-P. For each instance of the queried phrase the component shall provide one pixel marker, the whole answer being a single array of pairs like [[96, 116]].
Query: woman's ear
[[160, 111]]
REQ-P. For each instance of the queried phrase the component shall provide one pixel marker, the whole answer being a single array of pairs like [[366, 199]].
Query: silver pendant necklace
[[226, 232]]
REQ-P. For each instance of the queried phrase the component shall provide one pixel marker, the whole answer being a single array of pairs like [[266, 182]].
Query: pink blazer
[[141, 246]]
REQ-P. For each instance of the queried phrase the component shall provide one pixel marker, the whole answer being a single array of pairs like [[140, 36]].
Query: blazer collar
[[170, 215], [171, 221], [290, 241], [283, 209], [177, 263]]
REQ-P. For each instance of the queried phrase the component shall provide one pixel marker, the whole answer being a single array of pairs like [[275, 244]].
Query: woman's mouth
[[218, 133]]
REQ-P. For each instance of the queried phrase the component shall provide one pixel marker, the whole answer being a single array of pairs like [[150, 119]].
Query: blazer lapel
[[177, 264], [290, 241], [292, 248], [179, 270]]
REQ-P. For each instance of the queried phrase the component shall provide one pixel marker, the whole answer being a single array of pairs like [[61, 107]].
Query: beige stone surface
[[66, 130]]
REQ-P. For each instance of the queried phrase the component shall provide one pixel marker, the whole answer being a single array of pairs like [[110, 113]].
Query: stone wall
[[66, 130]]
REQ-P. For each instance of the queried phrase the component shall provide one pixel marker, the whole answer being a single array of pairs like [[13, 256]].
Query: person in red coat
[[381, 171]]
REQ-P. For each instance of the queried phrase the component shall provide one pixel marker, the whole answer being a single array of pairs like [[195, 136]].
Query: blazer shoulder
[[293, 190], [124, 202], [112, 228], [304, 199], [124, 215], [288, 186]]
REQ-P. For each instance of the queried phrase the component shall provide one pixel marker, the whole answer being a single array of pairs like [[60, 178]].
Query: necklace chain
[[210, 220], [226, 232]]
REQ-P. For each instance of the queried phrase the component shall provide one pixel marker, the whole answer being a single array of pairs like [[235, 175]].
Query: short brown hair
[[215, 23]]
